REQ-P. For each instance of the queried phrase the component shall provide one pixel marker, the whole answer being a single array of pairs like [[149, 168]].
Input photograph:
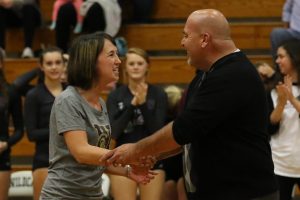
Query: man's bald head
[[210, 21], [206, 38]]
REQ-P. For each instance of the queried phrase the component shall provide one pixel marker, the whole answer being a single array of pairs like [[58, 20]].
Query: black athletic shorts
[[5, 164]]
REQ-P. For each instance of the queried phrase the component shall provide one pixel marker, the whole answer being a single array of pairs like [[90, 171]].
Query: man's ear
[[205, 40]]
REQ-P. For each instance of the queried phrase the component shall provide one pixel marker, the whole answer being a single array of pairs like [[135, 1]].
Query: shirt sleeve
[[69, 115], [31, 116], [22, 83], [15, 108], [272, 128], [287, 11]]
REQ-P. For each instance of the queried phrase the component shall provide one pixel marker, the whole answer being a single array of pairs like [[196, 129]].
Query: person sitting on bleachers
[[291, 18], [99, 15], [17, 13], [10, 106], [56, 6]]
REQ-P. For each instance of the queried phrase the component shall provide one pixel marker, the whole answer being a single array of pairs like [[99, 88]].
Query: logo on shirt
[[104, 135]]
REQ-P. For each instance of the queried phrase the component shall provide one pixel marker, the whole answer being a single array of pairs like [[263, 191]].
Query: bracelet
[[128, 170]]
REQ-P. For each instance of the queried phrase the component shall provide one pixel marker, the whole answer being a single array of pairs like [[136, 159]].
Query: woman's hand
[[140, 175], [288, 85], [140, 94], [282, 93], [3, 146]]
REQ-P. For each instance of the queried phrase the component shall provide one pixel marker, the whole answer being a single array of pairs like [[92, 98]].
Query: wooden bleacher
[[251, 23], [180, 9], [163, 69], [161, 36], [247, 35]]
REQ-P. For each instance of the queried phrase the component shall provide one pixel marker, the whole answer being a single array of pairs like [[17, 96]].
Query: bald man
[[223, 128]]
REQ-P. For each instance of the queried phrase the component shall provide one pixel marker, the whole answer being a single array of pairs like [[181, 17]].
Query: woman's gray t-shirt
[[67, 179]]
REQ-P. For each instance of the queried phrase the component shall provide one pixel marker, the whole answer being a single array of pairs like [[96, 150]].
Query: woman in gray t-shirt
[[79, 127]]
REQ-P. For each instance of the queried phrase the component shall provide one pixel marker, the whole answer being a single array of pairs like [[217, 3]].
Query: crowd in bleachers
[[130, 119]]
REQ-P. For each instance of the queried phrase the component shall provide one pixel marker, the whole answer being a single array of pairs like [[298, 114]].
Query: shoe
[[78, 28], [52, 26], [2, 51], [27, 53]]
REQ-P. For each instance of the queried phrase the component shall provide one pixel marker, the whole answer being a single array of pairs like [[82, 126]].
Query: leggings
[[66, 19], [30, 20], [286, 185]]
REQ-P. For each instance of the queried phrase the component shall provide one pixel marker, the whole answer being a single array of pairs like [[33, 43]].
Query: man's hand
[[127, 155], [122, 155]]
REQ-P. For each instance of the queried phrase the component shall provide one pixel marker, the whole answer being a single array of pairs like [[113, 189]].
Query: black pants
[[30, 20], [286, 185], [139, 11], [66, 20], [272, 196], [142, 10]]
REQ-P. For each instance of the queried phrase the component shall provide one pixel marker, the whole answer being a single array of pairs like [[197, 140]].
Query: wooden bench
[[167, 36], [15, 67], [253, 35], [46, 7], [157, 37], [163, 69], [14, 39], [180, 9], [18, 167], [23, 148]]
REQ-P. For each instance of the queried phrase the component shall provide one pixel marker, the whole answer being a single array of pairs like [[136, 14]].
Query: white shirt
[[285, 144]]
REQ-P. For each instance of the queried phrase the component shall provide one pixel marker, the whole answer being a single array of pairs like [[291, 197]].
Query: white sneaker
[[78, 28], [52, 26], [27, 53], [2, 51]]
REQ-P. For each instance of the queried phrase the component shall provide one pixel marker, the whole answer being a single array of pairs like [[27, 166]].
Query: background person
[[136, 110], [10, 108], [24, 13], [38, 104], [79, 125], [291, 29], [285, 108]]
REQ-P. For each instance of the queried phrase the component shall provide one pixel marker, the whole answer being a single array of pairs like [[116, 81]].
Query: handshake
[[138, 167]]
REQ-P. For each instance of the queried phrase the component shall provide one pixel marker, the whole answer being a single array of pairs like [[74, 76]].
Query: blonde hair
[[137, 51], [140, 52], [174, 94]]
